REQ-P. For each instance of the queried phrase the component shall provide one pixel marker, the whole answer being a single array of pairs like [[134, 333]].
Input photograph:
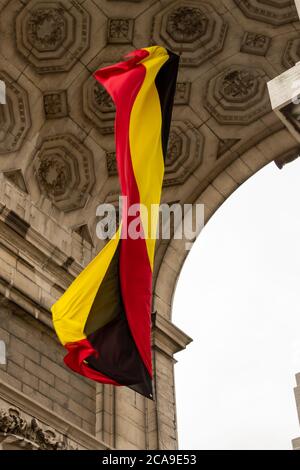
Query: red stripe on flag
[[135, 269]]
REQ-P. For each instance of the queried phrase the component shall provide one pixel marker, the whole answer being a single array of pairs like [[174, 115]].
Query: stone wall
[[34, 366]]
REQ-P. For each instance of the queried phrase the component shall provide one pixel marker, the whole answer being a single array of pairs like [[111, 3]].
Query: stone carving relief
[[182, 93], [120, 30], [275, 12], [194, 29], [98, 105], [55, 104], [28, 433], [257, 44], [51, 35], [184, 154], [291, 53], [14, 116], [238, 95], [64, 171], [111, 163]]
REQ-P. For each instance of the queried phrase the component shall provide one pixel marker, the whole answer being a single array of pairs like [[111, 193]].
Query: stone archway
[[279, 146], [58, 163]]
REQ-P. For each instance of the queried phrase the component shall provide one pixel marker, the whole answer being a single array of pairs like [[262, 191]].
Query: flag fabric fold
[[104, 318]]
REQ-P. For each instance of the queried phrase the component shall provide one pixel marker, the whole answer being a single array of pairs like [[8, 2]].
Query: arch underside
[[57, 164]]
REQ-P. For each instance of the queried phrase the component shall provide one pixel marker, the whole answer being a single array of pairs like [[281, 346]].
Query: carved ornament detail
[[194, 29], [291, 53], [98, 105], [238, 95], [64, 171], [120, 30], [51, 35], [14, 116], [184, 154], [257, 44], [30, 431], [275, 12]]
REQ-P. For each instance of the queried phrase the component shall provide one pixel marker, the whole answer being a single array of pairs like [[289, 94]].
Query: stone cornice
[[167, 337], [66, 245]]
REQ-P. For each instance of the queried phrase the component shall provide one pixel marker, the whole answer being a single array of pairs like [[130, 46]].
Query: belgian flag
[[104, 318]]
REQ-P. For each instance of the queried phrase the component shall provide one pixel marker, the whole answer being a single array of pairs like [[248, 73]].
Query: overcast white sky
[[238, 297]]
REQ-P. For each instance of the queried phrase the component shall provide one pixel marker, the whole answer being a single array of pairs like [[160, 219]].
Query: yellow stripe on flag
[[71, 311], [146, 146]]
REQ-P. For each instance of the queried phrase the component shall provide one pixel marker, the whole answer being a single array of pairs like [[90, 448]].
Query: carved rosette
[[16, 431], [98, 105], [51, 36], [14, 116], [257, 44], [55, 104], [275, 12], [120, 30], [238, 95], [64, 171], [194, 29], [185, 152]]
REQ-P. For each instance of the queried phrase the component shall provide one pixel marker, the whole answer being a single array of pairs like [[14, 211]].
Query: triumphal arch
[[57, 163]]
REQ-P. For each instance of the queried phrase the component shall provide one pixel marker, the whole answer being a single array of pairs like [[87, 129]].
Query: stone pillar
[[125, 419], [162, 421], [105, 414]]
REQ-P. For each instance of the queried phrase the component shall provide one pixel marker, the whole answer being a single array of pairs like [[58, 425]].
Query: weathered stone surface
[[52, 36], [197, 31], [58, 163], [275, 12], [64, 171], [14, 116]]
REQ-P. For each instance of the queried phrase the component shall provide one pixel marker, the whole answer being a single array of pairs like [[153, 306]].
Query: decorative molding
[[55, 104], [291, 53], [257, 44], [182, 93], [184, 154], [168, 337], [98, 105], [37, 240], [51, 35], [30, 431], [64, 171], [29, 409], [120, 30], [14, 116], [274, 12], [238, 95], [111, 163], [194, 29]]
